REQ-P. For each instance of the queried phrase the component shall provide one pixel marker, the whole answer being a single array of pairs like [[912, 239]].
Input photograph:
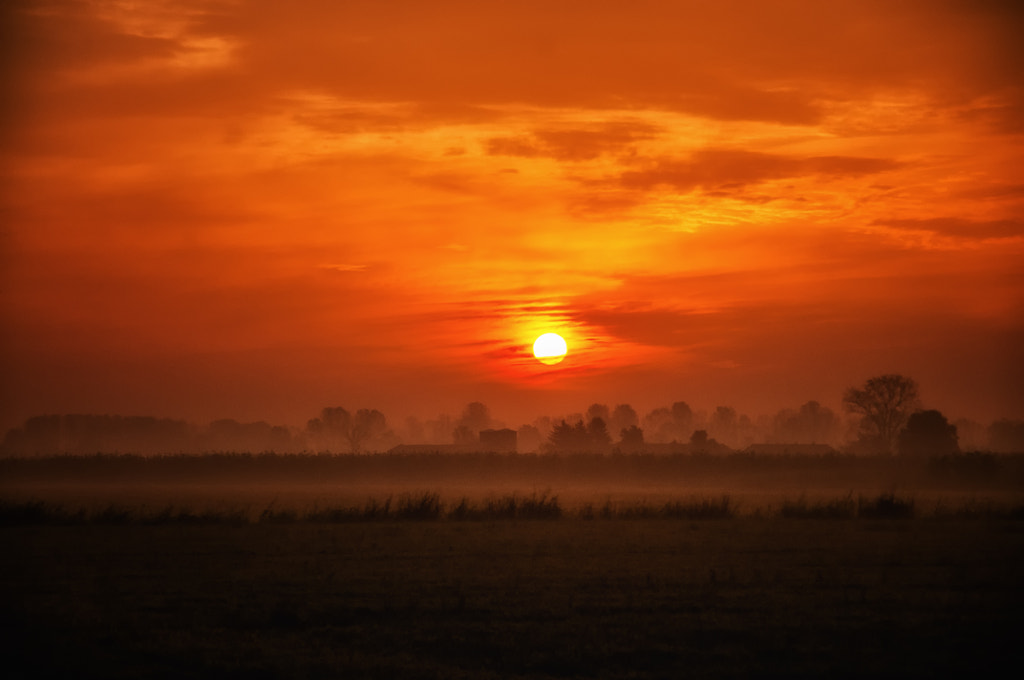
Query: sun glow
[[550, 348]]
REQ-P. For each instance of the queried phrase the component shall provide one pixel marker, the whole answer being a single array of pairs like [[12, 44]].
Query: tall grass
[[704, 508], [885, 506], [836, 508], [428, 506]]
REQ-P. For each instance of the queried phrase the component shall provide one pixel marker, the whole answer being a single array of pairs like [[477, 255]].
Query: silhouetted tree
[[330, 430], [598, 411], [366, 424], [883, 404], [622, 417], [666, 425], [659, 425], [598, 438], [231, 435], [632, 438], [85, 433], [928, 433], [336, 427], [476, 416], [698, 440], [724, 424], [561, 437], [812, 424], [682, 414], [567, 438]]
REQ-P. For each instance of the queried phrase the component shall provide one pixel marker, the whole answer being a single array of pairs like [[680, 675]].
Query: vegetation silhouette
[[883, 404], [928, 433], [811, 424], [664, 425], [578, 438], [429, 506], [624, 416], [884, 408], [631, 439], [476, 416], [663, 546], [336, 429]]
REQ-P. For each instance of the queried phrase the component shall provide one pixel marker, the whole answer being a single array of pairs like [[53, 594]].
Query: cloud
[[720, 168], [955, 227], [772, 61], [345, 268], [767, 61], [62, 37], [574, 143]]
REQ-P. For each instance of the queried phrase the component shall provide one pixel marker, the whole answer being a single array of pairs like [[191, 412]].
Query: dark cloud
[[775, 61], [770, 61], [59, 36], [994, 191], [712, 169], [574, 144], [521, 146], [960, 228]]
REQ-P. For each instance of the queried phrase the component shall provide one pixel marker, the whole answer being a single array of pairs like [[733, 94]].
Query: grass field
[[807, 583], [569, 598]]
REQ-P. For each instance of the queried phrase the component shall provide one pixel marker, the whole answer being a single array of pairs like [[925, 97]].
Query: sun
[[550, 348]]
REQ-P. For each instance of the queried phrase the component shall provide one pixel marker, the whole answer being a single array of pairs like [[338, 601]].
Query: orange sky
[[255, 209]]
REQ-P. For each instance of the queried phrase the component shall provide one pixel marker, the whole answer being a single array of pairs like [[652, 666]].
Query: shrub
[[885, 506], [31, 512], [705, 508], [837, 508]]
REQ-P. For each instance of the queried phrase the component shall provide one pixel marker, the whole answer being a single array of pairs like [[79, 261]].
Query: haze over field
[[254, 210]]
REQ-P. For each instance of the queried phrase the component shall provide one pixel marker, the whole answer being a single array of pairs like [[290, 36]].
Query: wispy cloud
[[960, 228], [719, 168]]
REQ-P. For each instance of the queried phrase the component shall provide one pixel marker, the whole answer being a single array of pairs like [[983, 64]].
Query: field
[[124, 570]]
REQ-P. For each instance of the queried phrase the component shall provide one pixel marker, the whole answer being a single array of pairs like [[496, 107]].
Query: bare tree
[[366, 424], [884, 405], [336, 426], [331, 429]]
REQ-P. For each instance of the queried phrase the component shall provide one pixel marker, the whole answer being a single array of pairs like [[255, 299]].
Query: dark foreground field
[[509, 566], [614, 598]]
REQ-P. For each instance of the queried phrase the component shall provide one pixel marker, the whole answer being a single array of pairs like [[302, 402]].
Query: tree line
[[886, 411]]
